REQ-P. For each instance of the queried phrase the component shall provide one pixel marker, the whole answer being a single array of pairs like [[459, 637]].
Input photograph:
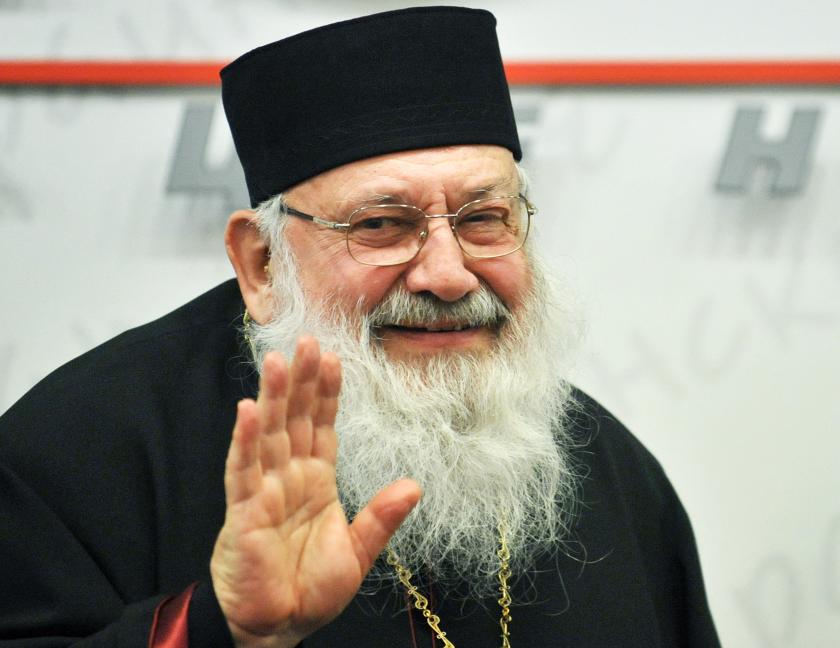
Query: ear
[[249, 255]]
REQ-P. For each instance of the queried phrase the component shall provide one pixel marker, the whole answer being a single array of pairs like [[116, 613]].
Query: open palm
[[286, 560]]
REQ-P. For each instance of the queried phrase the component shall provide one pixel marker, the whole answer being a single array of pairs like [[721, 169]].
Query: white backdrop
[[713, 316]]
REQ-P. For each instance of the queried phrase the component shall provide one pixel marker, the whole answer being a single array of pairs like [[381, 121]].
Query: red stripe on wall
[[688, 73], [110, 73], [582, 73]]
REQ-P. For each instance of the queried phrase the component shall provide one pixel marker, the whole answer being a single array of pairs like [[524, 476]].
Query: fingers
[[274, 384], [293, 416], [303, 383], [243, 473], [377, 522], [274, 381], [325, 442]]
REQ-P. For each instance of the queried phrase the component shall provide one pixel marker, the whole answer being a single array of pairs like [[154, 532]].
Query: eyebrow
[[400, 199], [381, 199], [491, 188]]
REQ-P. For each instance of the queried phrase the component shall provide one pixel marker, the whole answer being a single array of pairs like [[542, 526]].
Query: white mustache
[[402, 308]]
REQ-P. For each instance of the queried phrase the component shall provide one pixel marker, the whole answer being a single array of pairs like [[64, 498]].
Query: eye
[[495, 216], [384, 226], [389, 220], [485, 216], [378, 222]]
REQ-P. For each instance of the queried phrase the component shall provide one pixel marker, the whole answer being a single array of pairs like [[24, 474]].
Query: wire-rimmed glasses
[[384, 235]]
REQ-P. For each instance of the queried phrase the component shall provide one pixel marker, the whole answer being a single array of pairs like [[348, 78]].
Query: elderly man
[[475, 499]]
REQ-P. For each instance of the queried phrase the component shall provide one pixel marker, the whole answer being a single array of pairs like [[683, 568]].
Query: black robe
[[111, 497]]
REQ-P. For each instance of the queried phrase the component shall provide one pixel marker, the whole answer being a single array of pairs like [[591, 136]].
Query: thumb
[[377, 522]]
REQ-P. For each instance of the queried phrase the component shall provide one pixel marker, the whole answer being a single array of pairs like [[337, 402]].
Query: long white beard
[[483, 434]]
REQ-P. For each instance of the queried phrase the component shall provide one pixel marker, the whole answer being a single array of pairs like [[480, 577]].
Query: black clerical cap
[[393, 81]]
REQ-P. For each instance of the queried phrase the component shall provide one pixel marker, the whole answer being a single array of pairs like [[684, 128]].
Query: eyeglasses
[[384, 235]]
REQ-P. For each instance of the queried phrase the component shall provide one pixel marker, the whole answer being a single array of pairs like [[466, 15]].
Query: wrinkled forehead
[[440, 175]]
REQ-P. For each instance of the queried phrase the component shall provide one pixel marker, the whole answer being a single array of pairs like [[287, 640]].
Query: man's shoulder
[[174, 356], [115, 449], [592, 424], [608, 451], [174, 335], [221, 305]]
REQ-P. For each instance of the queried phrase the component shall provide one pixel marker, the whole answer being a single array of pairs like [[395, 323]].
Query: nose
[[439, 267]]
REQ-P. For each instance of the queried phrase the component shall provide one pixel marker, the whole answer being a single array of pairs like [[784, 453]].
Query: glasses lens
[[493, 227], [385, 235]]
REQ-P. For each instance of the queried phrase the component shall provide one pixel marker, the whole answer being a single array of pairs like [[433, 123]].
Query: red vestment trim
[[169, 625]]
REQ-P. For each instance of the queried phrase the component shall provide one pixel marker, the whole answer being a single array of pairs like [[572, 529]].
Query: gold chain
[[505, 600], [420, 601], [433, 620]]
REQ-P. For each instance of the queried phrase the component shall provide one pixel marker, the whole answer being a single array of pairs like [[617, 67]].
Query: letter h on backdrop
[[787, 158]]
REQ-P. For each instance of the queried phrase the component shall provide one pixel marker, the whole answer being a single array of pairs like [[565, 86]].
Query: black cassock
[[111, 497]]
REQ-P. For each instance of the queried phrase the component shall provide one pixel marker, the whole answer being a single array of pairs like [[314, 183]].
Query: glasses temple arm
[[319, 221]]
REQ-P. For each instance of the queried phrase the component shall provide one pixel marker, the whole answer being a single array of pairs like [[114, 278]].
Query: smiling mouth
[[493, 326], [437, 337], [432, 328]]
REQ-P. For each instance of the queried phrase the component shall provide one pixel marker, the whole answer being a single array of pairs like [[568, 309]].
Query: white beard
[[483, 434]]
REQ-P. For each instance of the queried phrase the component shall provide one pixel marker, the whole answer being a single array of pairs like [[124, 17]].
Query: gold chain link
[[505, 600], [420, 601], [433, 620]]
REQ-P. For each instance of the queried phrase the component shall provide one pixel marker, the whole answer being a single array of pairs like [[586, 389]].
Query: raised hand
[[286, 560]]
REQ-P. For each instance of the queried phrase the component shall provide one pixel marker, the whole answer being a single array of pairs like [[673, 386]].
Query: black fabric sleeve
[[697, 629], [207, 625], [658, 527], [111, 489], [55, 595], [53, 592]]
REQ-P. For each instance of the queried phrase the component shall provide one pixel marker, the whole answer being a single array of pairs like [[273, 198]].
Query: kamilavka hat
[[393, 81]]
